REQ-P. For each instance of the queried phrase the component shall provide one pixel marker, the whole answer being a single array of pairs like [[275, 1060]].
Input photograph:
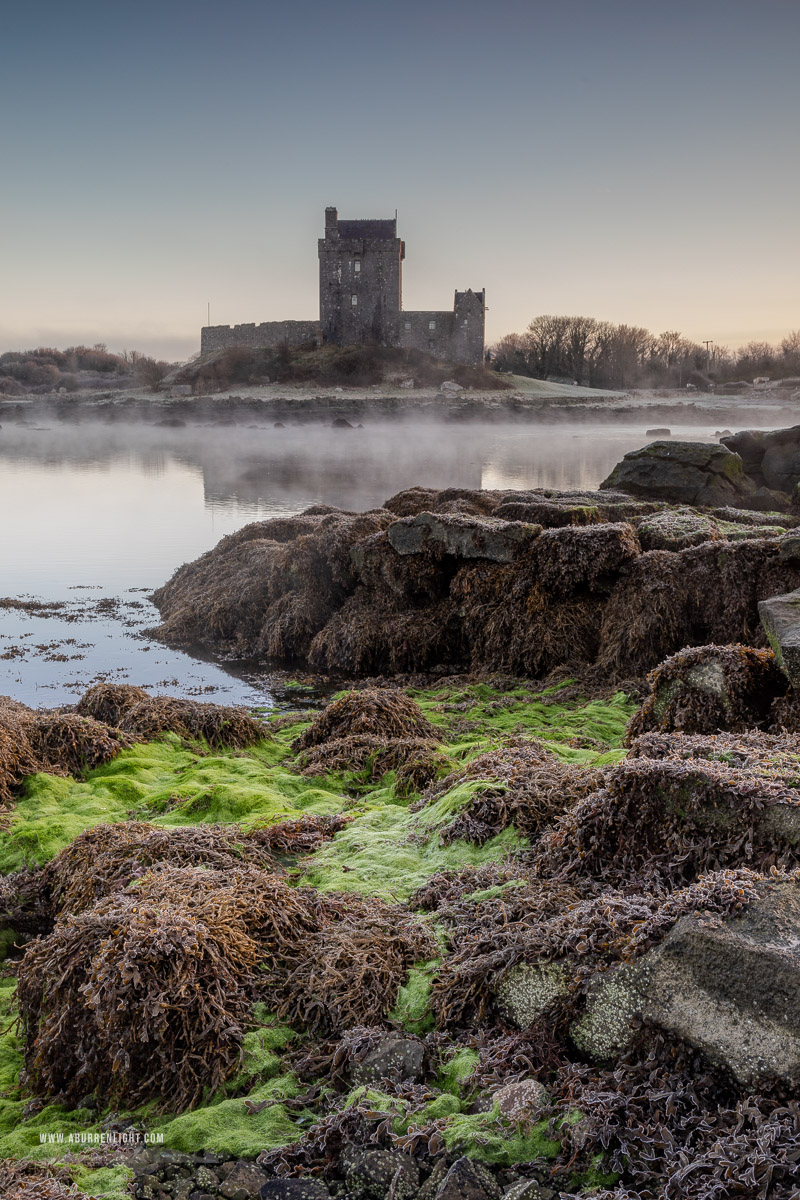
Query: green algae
[[110, 1183], [492, 1138], [412, 1007], [389, 853], [456, 1070], [165, 783], [229, 1127]]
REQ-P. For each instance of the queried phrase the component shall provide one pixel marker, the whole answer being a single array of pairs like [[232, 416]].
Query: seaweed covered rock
[[143, 992], [60, 743], [471, 584], [461, 537], [107, 858], [683, 473], [110, 702], [218, 724], [270, 587], [780, 616], [379, 712], [709, 688], [678, 817], [521, 784], [728, 987], [675, 529]]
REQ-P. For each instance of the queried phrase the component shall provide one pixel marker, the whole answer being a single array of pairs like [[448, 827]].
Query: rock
[[206, 1179], [789, 548], [704, 689], [294, 1189], [528, 1189], [463, 537], [396, 1057], [244, 1182], [524, 992], [658, 433], [675, 529], [278, 425], [450, 385], [780, 616], [370, 1173], [180, 389], [771, 459], [768, 500], [467, 1180], [341, 423], [406, 383], [731, 989], [683, 473], [522, 1100]]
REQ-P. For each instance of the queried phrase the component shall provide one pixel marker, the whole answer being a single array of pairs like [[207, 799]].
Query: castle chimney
[[331, 223]]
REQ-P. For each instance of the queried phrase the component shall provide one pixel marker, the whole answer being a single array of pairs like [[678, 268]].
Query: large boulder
[[771, 459], [731, 988], [780, 616], [460, 536], [683, 473]]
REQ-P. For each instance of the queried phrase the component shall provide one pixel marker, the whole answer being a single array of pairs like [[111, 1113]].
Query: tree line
[[597, 353]]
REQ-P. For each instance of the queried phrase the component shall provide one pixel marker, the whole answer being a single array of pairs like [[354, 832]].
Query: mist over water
[[98, 515]]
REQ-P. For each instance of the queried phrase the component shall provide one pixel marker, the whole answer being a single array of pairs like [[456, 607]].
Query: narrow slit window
[[354, 300], [357, 266]]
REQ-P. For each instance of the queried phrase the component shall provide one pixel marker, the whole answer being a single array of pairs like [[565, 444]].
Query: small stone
[[467, 1180], [370, 1174], [527, 1189], [522, 1100], [395, 1057], [205, 1178], [243, 1182], [294, 1189], [525, 991]]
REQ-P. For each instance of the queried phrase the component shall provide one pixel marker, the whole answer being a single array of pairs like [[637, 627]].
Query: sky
[[632, 160]]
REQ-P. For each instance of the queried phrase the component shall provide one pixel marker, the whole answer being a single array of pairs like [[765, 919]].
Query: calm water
[[96, 516]]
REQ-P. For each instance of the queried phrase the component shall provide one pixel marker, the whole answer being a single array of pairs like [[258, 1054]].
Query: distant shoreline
[[302, 404]]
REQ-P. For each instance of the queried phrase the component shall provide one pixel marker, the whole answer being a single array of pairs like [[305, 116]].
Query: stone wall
[[267, 335], [430, 331]]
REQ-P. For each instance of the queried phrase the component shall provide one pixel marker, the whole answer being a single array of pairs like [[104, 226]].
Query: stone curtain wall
[[267, 335], [416, 333]]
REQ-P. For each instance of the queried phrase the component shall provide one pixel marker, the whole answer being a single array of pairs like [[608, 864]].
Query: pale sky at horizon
[[632, 160]]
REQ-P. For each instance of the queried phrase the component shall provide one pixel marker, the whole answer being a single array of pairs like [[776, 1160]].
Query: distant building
[[361, 301]]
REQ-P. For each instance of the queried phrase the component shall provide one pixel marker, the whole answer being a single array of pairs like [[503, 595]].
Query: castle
[[361, 301]]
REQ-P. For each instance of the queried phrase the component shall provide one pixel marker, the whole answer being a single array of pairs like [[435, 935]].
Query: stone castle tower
[[360, 281], [361, 301]]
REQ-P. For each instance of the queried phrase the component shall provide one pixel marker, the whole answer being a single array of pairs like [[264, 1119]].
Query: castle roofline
[[370, 228]]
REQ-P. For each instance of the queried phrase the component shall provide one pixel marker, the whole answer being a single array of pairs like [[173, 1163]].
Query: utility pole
[[708, 344]]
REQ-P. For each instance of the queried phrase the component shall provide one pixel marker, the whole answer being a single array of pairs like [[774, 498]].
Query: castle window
[[354, 300], [357, 266], [408, 324], [431, 324]]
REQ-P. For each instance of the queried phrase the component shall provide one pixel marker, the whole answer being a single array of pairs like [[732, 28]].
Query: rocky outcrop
[[699, 473], [780, 616], [730, 988], [516, 581]]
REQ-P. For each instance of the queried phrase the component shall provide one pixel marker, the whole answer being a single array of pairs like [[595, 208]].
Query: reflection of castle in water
[[263, 470]]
